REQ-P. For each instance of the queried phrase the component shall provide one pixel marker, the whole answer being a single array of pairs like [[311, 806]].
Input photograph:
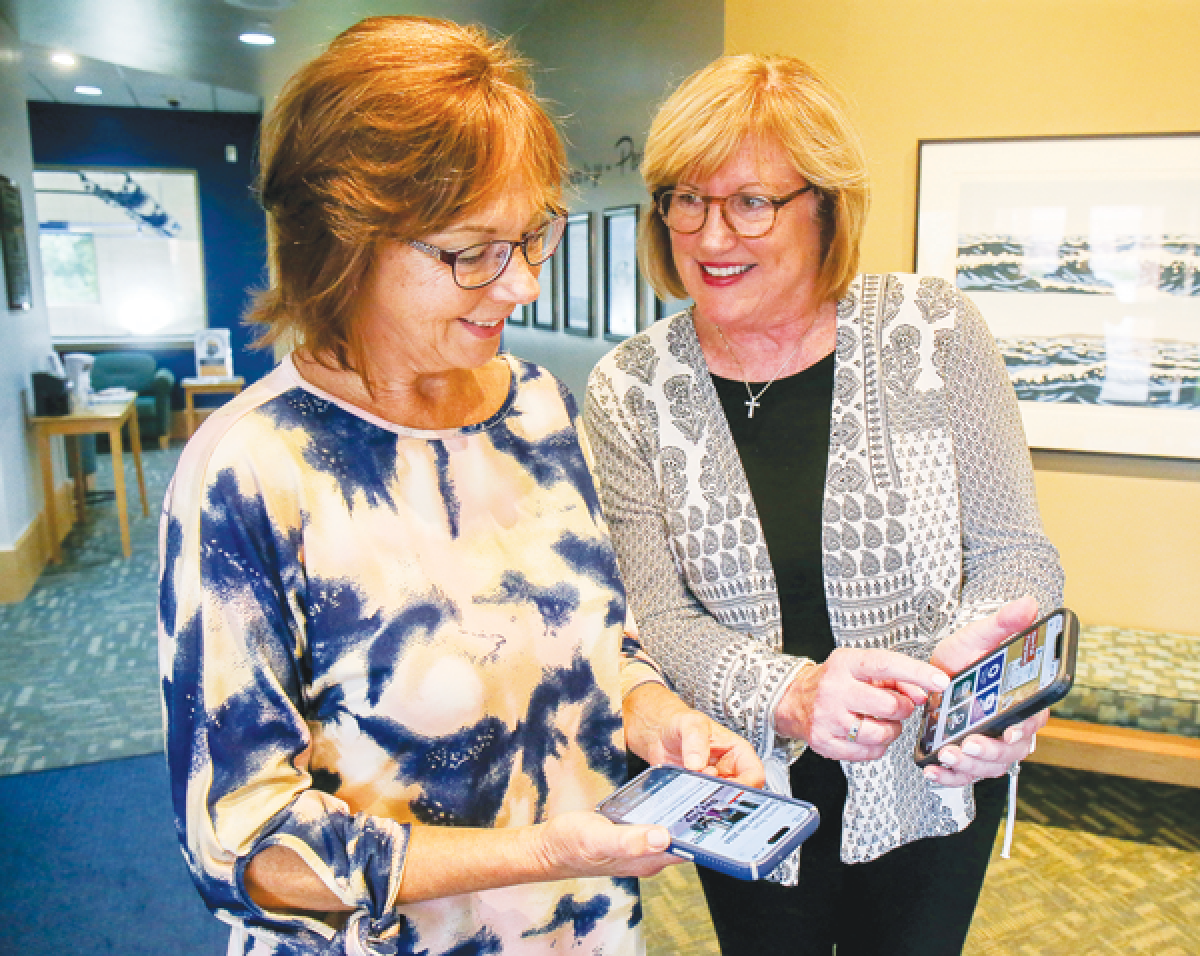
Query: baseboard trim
[[1123, 751], [23, 563]]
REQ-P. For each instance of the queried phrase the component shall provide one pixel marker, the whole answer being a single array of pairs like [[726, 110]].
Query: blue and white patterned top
[[365, 627]]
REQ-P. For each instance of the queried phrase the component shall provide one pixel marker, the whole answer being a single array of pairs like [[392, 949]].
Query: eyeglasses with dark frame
[[749, 215], [484, 263]]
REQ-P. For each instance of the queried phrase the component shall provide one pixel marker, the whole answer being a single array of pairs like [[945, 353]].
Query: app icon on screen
[[990, 671], [983, 706], [956, 720], [962, 689]]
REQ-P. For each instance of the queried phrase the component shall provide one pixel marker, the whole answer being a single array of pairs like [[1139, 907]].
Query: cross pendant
[[751, 403]]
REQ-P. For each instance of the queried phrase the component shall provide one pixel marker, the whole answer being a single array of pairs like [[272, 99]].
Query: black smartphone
[[738, 830], [1028, 673]]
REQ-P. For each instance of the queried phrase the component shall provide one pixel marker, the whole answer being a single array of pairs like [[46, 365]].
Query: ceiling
[[185, 54], [125, 86]]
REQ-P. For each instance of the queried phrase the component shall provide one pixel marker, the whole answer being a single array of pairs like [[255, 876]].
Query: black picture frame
[[577, 275], [622, 281], [519, 316], [544, 309], [12, 242]]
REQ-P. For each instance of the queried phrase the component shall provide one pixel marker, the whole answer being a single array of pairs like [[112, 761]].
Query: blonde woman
[[817, 482]]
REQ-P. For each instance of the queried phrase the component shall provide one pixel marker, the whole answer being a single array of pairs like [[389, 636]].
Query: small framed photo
[[12, 242], [621, 299], [543, 310], [214, 354], [577, 273], [520, 315]]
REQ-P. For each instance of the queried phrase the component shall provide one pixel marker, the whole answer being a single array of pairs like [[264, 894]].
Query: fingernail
[[941, 681], [658, 839], [949, 759], [972, 749], [931, 774], [1015, 734]]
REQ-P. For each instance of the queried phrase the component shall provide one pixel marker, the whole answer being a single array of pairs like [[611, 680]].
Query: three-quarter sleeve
[[234, 660]]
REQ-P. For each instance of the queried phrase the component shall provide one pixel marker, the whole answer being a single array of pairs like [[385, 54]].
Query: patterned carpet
[[78, 659], [1101, 865]]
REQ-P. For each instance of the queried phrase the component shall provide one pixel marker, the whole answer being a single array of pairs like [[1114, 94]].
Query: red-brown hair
[[398, 130]]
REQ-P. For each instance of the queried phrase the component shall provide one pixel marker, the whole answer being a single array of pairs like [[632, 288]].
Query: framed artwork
[[1083, 254], [622, 304], [122, 253], [577, 274], [519, 316], [12, 244], [543, 310]]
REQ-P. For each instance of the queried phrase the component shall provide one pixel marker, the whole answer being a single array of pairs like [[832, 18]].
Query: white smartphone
[[738, 830]]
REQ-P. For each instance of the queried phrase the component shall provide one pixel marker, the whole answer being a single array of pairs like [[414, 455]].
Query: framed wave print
[[1083, 254]]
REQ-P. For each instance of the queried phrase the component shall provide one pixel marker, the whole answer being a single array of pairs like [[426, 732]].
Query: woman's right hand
[[582, 844], [853, 706]]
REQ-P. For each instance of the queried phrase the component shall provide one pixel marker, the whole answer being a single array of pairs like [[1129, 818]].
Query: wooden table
[[107, 418], [205, 386]]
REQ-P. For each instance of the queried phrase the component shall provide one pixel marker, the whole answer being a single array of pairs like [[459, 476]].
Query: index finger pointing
[[889, 665]]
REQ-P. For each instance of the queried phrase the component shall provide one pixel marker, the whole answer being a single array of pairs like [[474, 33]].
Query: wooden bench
[[1134, 710]]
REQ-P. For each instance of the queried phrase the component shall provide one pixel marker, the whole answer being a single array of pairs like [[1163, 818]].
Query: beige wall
[[1129, 530]]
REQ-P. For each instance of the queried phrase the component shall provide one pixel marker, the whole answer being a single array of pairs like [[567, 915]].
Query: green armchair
[[139, 372]]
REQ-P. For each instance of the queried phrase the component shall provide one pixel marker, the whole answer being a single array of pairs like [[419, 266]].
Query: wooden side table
[[107, 418], [206, 386]]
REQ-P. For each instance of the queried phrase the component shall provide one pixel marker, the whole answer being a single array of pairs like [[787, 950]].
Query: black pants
[[917, 899]]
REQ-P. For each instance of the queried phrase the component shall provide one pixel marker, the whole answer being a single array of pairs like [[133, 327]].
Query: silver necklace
[[753, 402]]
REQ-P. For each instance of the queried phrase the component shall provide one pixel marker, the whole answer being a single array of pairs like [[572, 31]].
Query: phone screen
[[723, 818], [1006, 679]]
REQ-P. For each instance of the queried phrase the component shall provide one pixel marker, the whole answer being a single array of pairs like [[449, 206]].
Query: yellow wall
[[1128, 529]]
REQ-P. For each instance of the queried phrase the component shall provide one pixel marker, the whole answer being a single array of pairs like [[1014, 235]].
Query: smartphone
[[1028, 673], [738, 830]]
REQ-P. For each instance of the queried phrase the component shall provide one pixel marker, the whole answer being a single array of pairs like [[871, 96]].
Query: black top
[[784, 449]]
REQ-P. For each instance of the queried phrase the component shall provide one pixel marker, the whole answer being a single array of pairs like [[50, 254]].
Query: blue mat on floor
[[91, 864]]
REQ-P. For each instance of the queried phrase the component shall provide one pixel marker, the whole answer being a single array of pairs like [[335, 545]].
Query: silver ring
[[852, 733]]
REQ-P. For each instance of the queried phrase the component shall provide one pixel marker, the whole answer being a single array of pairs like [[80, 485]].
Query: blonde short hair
[[398, 130], [769, 98]]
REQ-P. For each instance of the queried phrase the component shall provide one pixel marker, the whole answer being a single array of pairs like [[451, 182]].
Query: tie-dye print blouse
[[364, 627]]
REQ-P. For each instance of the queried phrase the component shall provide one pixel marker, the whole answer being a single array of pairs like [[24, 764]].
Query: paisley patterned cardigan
[[930, 522]]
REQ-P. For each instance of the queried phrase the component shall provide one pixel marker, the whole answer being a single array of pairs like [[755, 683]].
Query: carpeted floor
[[1100, 866], [90, 864], [78, 662]]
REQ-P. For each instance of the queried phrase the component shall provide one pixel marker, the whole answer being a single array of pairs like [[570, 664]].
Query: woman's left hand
[[661, 728], [978, 756]]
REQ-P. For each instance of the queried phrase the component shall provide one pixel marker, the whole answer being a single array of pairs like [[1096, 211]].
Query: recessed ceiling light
[[63, 59], [89, 90], [257, 39]]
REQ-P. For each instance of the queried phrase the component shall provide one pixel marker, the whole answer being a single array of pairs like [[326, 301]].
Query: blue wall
[[233, 224]]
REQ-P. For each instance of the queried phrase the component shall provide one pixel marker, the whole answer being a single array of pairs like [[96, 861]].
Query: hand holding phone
[[1028, 673], [741, 831]]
